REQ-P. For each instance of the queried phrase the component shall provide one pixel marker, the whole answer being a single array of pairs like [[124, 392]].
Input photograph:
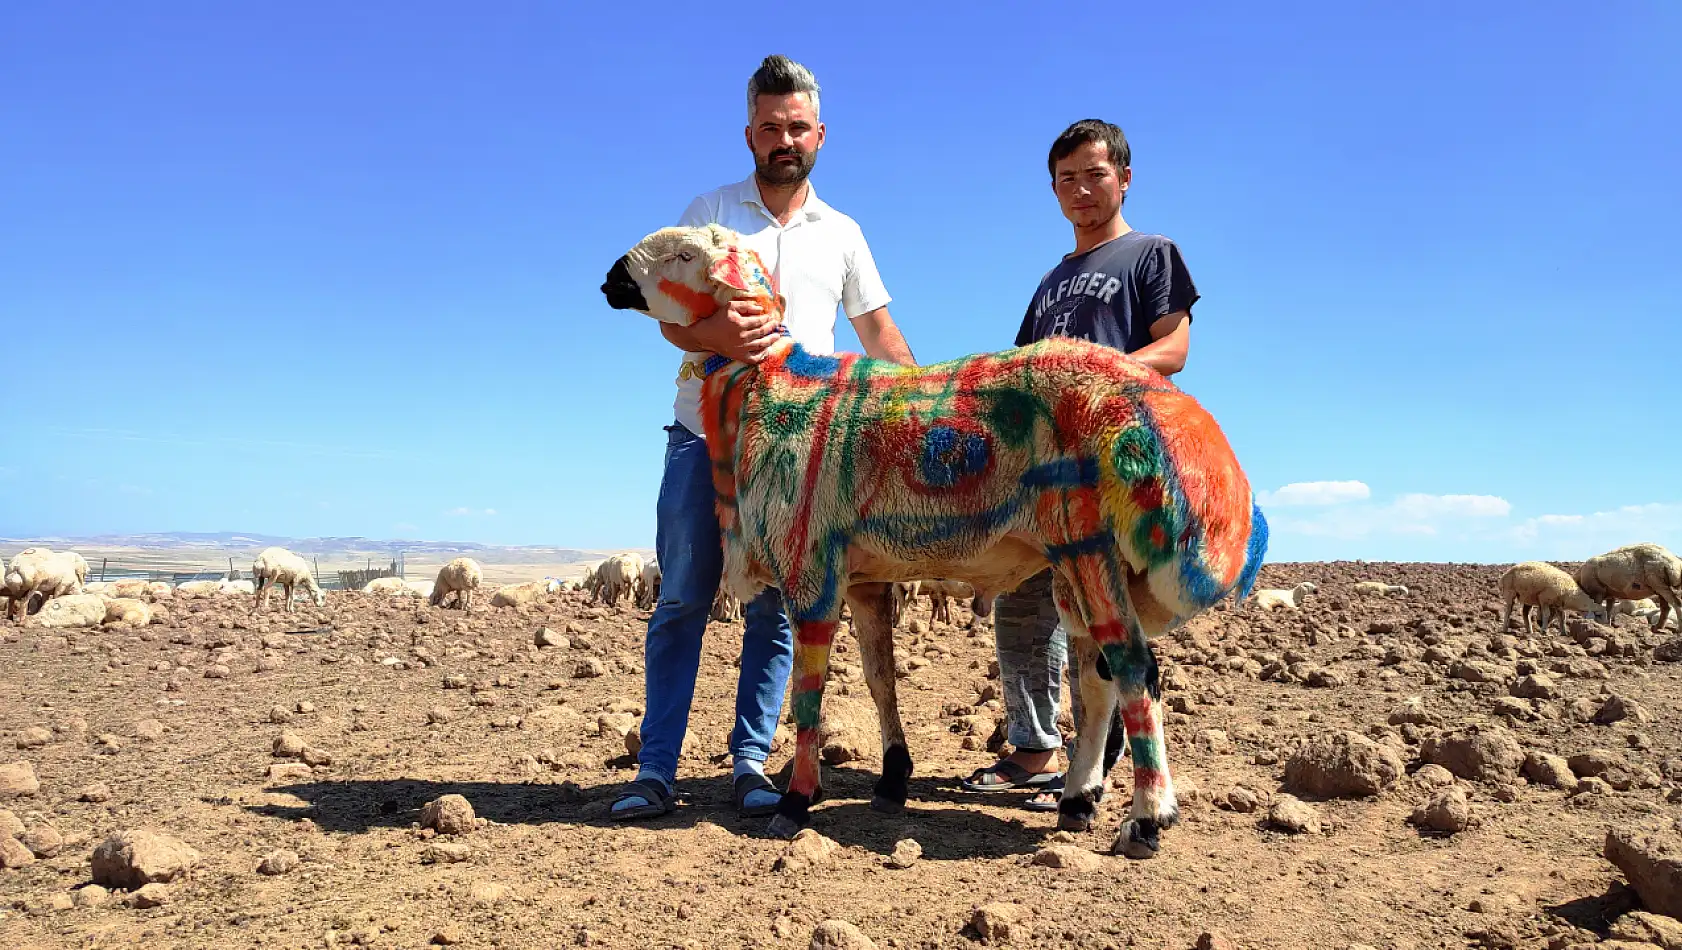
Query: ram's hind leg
[[872, 608], [812, 639]]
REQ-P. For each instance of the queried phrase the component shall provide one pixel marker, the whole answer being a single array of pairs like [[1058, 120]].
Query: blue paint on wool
[[1063, 473], [1098, 542], [810, 365], [950, 455], [1254, 553]]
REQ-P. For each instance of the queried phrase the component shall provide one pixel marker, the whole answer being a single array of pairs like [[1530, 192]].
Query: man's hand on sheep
[[741, 330]]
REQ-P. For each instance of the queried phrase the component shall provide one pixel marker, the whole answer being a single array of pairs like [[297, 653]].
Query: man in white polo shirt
[[818, 260]]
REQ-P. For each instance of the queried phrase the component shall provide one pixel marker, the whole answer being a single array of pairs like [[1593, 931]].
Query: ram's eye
[[686, 256]]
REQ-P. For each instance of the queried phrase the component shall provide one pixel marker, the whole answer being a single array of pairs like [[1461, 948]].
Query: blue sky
[[332, 269]]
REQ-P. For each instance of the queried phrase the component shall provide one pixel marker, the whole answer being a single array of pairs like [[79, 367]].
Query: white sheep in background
[[1547, 588], [648, 586], [617, 577], [1381, 589], [280, 566], [1633, 572], [36, 575], [389, 587], [460, 577], [531, 592], [904, 595], [941, 593], [1272, 597]]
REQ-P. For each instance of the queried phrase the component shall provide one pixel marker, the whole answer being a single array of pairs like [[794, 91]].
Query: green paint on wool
[[1153, 536], [1147, 753], [1136, 455], [807, 706], [1011, 414]]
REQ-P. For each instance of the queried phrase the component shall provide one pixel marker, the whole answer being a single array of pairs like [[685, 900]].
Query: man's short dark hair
[[1090, 130], [780, 76]]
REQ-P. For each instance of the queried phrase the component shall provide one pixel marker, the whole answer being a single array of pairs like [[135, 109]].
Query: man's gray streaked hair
[[780, 76]]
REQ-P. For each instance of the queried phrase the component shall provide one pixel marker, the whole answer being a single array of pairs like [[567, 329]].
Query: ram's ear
[[728, 267]]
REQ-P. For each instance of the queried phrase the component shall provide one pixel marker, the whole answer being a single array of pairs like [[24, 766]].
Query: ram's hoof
[[1139, 839], [782, 826], [886, 806]]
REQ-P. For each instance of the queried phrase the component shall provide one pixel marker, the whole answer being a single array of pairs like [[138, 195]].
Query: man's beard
[[776, 172]]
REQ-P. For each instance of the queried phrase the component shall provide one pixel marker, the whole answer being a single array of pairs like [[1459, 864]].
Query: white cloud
[[1412, 514], [1415, 505], [1629, 524], [490, 511], [1315, 494], [469, 512]]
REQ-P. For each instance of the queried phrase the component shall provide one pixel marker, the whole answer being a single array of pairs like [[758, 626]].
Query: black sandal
[[1015, 777], [747, 783], [657, 801]]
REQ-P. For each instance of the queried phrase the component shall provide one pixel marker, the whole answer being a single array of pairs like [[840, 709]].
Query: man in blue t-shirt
[[1125, 289]]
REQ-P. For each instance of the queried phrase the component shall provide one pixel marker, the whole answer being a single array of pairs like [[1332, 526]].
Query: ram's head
[[681, 275]]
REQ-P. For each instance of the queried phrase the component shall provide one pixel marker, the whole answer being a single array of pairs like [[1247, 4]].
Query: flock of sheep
[[1642, 580]]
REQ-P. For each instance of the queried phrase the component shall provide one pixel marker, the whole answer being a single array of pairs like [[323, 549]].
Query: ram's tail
[[1254, 553]]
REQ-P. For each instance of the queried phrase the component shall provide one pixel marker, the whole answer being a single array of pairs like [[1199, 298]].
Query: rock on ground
[[1069, 857], [1551, 770], [1479, 754], [42, 841], [839, 935], [1653, 865], [1448, 812], [1643, 927], [1343, 765], [906, 853], [1291, 814], [17, 780], [448, 815], [13, 854], [998, 922], [278, 862], [809, 849], [137, 857]]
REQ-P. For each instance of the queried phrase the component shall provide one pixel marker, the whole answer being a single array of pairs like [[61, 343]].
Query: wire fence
[[331, 576]]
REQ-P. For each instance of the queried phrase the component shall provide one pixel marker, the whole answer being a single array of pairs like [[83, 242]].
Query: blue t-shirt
[[1111, 294]]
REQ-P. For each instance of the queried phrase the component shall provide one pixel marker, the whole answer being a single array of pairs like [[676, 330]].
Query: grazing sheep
[[617, 577], [282, 567], [1547, 588], [461, 577], [36, 575], [941, 593], [648, 586], [1380, 589], [531, 592], [1635, 571], [1274, 597], [836, 476]]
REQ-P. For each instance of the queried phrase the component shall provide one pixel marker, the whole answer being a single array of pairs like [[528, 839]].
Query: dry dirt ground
[[399, 703]]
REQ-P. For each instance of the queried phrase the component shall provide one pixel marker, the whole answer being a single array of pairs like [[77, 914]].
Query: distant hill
[[230, 542]]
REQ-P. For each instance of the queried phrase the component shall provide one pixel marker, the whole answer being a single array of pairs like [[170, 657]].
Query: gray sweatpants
[[1033, 650]]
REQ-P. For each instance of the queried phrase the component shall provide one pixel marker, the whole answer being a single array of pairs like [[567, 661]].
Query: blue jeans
[[687, 542]]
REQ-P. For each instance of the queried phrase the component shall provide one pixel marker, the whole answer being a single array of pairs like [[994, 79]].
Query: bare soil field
[[295, 754]]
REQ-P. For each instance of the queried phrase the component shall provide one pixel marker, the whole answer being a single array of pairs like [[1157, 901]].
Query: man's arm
[[743, 331], [1170, 343], [881, 337]]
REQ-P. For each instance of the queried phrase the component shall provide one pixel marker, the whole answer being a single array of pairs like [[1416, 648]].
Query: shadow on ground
[[942, 817]]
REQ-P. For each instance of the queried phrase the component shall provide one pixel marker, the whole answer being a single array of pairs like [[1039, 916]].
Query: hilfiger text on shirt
[[1092, 284]]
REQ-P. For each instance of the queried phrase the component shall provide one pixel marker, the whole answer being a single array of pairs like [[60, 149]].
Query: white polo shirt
[[818, 261]]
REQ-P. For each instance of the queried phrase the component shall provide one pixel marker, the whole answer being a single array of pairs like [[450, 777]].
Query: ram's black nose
[[621, 290]]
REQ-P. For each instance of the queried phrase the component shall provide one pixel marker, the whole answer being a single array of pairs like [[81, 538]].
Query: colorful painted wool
[[837, 475]]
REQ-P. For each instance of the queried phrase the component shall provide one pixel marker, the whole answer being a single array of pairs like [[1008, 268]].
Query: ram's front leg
[[812, 639]]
